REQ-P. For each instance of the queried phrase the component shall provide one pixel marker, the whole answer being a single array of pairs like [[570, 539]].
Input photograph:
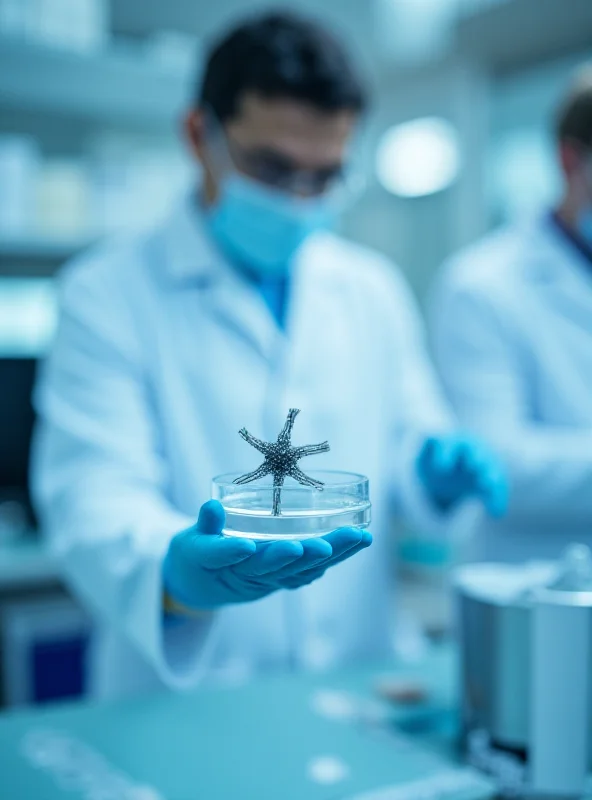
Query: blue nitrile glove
[[453, 468], [204, 569]]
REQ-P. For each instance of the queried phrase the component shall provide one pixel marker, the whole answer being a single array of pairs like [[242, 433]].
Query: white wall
[[420, 233]]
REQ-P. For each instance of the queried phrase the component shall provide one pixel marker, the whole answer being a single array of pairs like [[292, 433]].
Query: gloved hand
[[204, 569], [453, 468]]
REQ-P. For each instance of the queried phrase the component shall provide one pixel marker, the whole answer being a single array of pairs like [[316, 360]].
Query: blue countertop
[[319, 737]]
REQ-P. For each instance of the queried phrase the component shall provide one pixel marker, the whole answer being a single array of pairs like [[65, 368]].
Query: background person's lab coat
[[163, 352], [511, 324]]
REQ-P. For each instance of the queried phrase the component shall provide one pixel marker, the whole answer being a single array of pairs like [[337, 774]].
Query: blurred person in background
[[511, 319], [242, 305]]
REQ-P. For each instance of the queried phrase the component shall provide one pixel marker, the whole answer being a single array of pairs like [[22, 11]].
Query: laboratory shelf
[[37, 255], [49, 248], [509, 35], [115, 86], [26, 564]]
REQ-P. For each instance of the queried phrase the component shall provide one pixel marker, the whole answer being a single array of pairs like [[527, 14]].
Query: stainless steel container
[[526, 664]]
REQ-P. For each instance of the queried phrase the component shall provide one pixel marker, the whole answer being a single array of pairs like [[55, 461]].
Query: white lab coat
[[511, 326], [163, 352]]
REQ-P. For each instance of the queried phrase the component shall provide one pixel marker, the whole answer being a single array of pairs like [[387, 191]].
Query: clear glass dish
[[306, 512]]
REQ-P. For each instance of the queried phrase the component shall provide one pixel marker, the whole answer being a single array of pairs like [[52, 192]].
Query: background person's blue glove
[[204, 569], [453, 468]]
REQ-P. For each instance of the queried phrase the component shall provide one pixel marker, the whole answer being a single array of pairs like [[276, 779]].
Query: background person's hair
[[280, 55], [574, 118]]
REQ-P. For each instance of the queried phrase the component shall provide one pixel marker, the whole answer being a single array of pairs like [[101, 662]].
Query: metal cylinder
[[495, 614]]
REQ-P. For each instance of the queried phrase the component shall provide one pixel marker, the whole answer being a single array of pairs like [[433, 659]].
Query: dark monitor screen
[[17, 376]]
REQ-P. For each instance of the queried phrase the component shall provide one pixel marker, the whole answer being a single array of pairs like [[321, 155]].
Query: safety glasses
[[277, 171]]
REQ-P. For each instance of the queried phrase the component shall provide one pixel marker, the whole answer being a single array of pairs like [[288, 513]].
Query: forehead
[[298, 130]]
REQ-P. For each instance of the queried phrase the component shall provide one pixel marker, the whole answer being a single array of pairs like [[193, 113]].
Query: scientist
[[512, 329], [242, 305]]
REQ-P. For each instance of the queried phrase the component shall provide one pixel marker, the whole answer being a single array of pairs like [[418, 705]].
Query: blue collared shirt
[[275, 292], [571, 237]]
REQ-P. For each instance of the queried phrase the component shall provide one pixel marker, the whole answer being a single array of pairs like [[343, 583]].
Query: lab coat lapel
[[315, 317], [239, 305], [194, 260]]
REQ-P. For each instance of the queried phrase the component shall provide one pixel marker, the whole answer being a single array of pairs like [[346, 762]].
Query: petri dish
[[306, 512]]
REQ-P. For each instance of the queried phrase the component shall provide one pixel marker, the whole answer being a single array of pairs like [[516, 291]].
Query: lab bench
[[314, 736]]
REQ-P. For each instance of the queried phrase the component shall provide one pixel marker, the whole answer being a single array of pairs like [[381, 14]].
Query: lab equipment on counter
[[290, 504], [527, 672], [43, 644]]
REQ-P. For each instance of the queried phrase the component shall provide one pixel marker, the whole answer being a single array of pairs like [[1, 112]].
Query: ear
[[571, 157], [194, 129], [194, 126]]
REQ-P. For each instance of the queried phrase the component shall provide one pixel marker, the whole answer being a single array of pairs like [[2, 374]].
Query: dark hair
[[574, 120], [280, 55]]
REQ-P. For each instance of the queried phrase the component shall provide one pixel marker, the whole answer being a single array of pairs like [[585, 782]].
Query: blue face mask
[[584, 225], [262, 228]]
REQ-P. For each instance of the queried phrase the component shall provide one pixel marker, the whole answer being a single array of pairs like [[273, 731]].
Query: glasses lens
[[273, 169]]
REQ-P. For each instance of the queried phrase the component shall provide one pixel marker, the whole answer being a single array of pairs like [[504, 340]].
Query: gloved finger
[[366, 541], [475, 460], [445, 455], [206, 552], [497, 504], [211, 518], [485, 478], [316, 552], [343, 539], [270, 558], [426, 455], [427, 448], [303, 579], [494, 492], [204, 546], [215, 552], [208, 547], [489, 475], [244, 589], [484, 463]]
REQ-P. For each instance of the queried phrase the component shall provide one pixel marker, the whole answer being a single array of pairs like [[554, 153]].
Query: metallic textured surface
[[281, 460]]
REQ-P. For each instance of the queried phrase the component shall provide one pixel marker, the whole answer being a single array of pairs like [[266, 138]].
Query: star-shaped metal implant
[[281, 460]]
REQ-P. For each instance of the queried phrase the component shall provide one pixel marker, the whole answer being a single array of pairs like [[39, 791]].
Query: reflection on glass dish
[[306, 511]]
